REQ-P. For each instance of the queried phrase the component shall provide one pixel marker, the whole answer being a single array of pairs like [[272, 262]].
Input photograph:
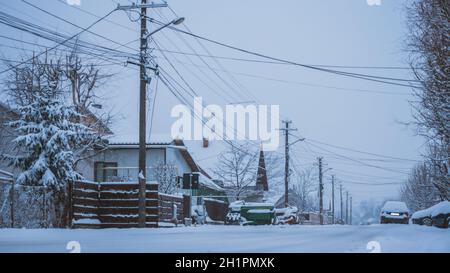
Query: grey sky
[[338, 32]]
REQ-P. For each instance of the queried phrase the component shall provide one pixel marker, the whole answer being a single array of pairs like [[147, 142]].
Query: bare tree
[[274, 170], [238, 167], [25, 82], [419, 192], [428, 44], [303, 187], [166, 176]]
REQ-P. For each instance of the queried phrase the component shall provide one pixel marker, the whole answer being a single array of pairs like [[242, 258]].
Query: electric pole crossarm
[[142, 6]]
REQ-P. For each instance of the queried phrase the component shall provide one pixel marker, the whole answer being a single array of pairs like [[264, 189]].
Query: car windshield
[[395, 206]]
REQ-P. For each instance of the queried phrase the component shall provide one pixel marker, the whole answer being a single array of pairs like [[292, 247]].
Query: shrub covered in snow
[[49, 132], [32, 207]]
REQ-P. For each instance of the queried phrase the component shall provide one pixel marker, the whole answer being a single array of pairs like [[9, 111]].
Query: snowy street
[[234, 239]]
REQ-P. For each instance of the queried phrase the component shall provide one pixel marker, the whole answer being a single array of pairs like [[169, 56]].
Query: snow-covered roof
[[205, 181], [133, 139], [207, 158]]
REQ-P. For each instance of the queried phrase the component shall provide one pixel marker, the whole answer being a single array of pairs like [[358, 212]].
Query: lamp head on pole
[[178, 21]]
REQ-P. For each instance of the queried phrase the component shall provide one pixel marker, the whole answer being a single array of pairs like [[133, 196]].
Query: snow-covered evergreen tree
[[49, 132]]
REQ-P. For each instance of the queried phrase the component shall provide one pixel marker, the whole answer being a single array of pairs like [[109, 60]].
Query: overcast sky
[[332, 109]]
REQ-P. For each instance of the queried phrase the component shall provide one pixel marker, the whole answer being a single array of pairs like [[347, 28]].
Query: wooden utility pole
[[342, 203], [142, 117], [144, 81], [351, 205], [332, 199], [346, 207], [320, 191], [286, 164]]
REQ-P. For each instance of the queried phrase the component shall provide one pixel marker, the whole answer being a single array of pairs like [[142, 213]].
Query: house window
[[104, 171]]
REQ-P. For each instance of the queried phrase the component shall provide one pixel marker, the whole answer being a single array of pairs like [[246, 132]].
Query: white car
[[394, 212]]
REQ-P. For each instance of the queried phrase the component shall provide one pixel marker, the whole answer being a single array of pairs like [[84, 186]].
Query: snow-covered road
[[391, 238]]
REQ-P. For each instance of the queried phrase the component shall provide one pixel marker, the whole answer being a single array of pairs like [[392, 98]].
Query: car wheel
[[427, 222]]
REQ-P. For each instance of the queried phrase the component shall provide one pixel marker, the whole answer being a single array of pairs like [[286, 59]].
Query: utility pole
[[351, 205], [286, 164], [332, 199], [142, 118], [320, 191], [144, 81], [346, 207], [342, 203]]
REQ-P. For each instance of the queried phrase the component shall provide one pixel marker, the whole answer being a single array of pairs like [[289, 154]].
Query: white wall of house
[[127, 161], [174, 157]]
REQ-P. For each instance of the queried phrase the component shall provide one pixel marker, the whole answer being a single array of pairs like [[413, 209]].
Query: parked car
[[441, 215], [287, 215], [394, 212], [437, 215], [422, 217]]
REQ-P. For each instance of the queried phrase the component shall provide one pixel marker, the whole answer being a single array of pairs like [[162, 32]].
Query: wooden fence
[[167, 209], [112, 205], [115, 205]]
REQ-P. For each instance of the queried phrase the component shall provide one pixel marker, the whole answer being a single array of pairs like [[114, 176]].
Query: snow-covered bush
[[34, 207], [48, 134]]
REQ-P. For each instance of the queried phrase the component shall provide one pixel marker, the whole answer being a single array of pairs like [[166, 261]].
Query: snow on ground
[[234, 239]]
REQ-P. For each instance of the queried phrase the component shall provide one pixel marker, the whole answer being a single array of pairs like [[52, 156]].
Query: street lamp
[[175, 22]]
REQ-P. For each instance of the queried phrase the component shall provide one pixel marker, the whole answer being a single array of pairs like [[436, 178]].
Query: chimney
[[205, 142]]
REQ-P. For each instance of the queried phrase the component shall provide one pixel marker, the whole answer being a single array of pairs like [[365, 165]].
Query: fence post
[[174, 213], [44, 210], [70, 207], [186, 208], [11, 194]]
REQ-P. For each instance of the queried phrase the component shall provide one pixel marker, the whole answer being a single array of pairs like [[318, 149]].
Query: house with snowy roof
[[119, 162]]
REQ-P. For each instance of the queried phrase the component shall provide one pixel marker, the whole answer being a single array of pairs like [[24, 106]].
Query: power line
[[59, 44], [309, 84], [358, 161], [77, 26], [386, 80], [95, 15], [238, 84], [362, 152], [283, 63]]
